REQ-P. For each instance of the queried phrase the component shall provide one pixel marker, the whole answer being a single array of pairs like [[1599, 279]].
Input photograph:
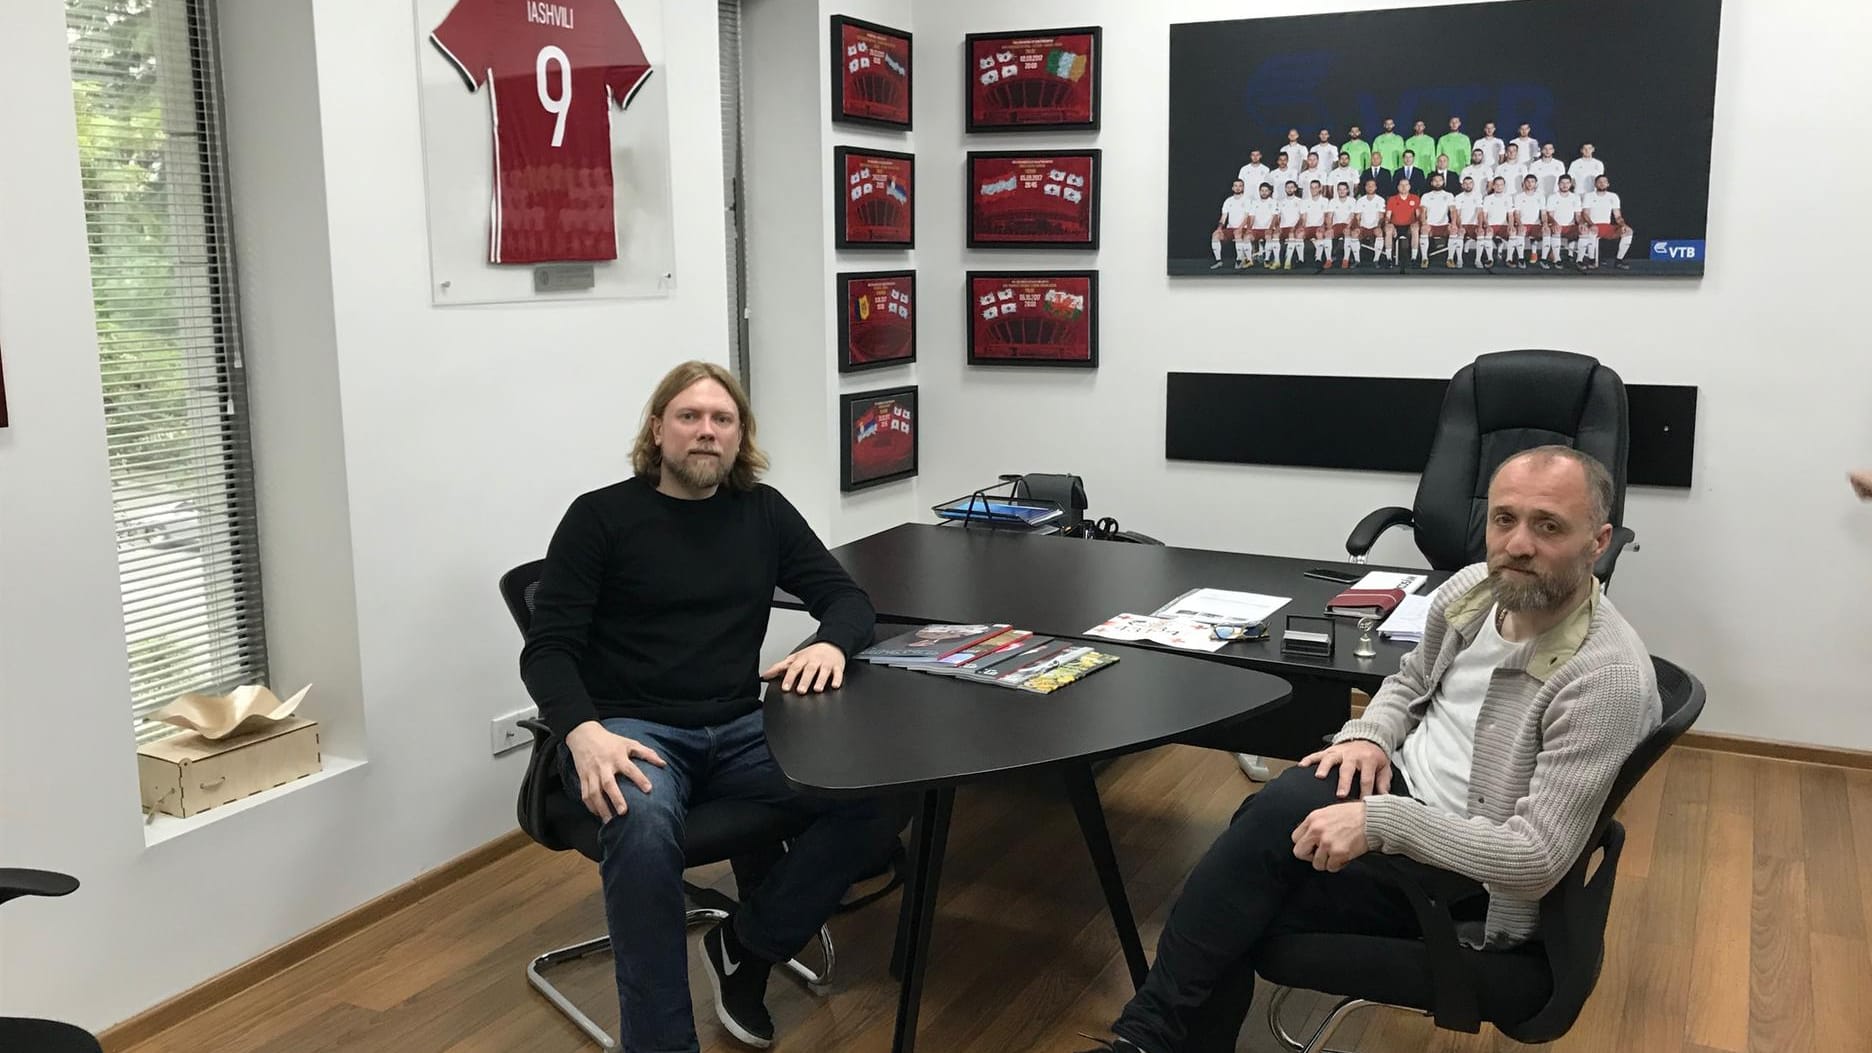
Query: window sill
[[167, 827]]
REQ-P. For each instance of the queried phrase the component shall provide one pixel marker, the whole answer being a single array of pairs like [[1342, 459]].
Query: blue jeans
[[642, 867]]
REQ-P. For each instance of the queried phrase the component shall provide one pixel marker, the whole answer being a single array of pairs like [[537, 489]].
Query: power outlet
[[506, 735]]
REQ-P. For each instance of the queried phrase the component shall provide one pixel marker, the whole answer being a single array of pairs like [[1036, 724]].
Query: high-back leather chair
[[1497, 406], [31, 1033]]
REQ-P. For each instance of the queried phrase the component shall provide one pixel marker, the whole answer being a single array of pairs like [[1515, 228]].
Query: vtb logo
[[1679, 251]]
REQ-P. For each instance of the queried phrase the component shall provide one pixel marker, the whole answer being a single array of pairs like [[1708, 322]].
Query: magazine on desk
[[991, 654]]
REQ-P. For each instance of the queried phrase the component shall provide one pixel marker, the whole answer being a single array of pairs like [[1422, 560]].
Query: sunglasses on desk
[[1233, 631]]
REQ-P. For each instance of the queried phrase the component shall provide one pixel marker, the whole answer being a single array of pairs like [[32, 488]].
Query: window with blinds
[[148, 102]]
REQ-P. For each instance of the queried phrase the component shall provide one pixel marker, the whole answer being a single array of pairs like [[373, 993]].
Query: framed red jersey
[[1021, 199], [552, 73], [880, 443], [1033, 318], [1044, 79], [876, 208], [877, 319], [871, 74]]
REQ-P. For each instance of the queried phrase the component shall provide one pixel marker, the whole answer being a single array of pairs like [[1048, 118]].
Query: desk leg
[[1083, 791], [913, 934]]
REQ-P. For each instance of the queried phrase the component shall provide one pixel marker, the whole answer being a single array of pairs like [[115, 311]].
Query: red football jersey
[[553, 71]]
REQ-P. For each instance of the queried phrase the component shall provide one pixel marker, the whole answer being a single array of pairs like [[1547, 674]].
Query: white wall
[[464, 432], [1753, 578]]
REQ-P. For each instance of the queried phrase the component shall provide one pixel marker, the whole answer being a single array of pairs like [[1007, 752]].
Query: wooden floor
[[1743, 906]]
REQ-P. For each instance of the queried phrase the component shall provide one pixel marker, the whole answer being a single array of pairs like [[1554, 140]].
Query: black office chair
[[1068, 491], [752, 837], [27, 1033], [1497, 406], [1532, 993]]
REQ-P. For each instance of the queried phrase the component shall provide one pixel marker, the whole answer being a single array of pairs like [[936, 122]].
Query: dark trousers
[[643, 862], [1250, 886]]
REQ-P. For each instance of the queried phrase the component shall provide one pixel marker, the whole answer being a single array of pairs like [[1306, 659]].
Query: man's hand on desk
[[815, 667], [1332, 836], [1361, 757], [600, 757]]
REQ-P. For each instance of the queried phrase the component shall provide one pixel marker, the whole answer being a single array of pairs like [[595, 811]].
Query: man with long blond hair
[[643, 656]]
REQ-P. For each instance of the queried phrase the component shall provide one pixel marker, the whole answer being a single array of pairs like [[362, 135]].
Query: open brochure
[[1220, 605], [1188, 634]]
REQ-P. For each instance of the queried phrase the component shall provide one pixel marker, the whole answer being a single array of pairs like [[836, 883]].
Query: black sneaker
[[740, 983]]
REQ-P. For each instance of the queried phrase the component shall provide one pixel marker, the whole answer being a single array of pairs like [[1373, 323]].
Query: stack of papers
[[1406, 624], [1388, 579], [991, 654]]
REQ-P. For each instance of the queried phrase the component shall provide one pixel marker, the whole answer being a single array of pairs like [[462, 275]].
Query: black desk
[[1064, 586], [893, 730]]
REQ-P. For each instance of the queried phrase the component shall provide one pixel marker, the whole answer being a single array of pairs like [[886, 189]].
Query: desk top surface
[[1063, 586], [890, 729]]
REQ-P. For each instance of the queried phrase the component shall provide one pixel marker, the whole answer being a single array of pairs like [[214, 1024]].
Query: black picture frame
[[847, 307], [851, 409], [841, 204], [972, 73], [983, 168], [973, 291], [841, 74]]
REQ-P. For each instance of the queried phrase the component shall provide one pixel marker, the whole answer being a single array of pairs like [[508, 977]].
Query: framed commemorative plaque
[[1040, 198], [1044, 79], [877, 319], [1033, 318], [877, 204], [870, 74], [880, 442]]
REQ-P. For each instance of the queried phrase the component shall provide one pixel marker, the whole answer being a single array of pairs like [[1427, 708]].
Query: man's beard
[[1534, 591], [698, 471]]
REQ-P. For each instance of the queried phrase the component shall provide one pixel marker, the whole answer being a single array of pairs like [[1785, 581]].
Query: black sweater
[[654, 607]]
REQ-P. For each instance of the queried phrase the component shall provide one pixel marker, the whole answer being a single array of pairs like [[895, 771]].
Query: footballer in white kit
[[1295, 151], [1603, 212], [1468, 220], [1548, 170], [1526, 144], [1229, 225], [1263, 213], [1563, 213], [1344, 212], [1586, 169], [1491, 146], [1290, 209], [1327, 153], [1254, 174], [1530, 204], [1513, 169], [1281, 177], [1371, 224], [1435, 208], [1497, 219], [1313, 224]]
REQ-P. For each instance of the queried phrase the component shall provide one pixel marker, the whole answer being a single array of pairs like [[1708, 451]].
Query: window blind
[[151, 157], [728, 14]]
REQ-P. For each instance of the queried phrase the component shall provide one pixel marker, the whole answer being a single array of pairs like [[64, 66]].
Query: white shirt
[[1371, 208], [1290, 212], [1263, 210], [1327, 153], [1468, 206], [1564, 208], [1548, 170], [1452, 181], [1296, 154], [1482, 174], [1529, 147], [1512, 172], [1491, 148], [1343, 209], [1530, 206], [1436, 205], [1308, 176], [1600, 206], [1234, 210], [1495, 209], [1279, 178], [1438, 755], [1342, 176], [1255, 176], [1584, 170], [1313, 209]]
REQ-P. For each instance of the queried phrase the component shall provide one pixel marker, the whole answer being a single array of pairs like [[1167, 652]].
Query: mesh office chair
[[1532, 993], [1497, 406], [27, 1033], [752, 837]]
